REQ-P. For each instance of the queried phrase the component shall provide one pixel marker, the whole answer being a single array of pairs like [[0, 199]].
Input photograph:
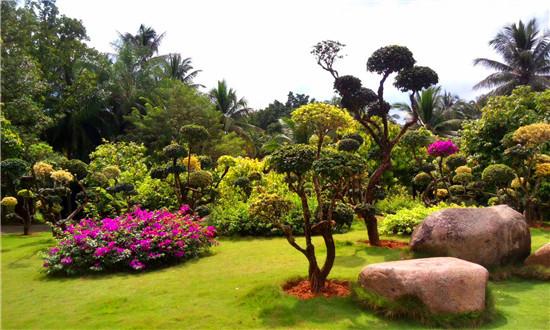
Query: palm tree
[[226, 101], [442, 114], [176, 67], [146, 38], [235, 111], [526, 53]]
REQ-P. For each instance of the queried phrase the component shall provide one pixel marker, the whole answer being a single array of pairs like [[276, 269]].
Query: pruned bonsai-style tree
[[371, 110], [305, 164]]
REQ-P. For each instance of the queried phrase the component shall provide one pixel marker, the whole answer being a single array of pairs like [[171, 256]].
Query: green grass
[[237, 286]]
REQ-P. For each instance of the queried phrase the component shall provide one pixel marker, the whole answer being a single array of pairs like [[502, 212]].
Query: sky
[[262, 48]]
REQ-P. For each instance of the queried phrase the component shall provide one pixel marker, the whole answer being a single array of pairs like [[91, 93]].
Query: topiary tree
[[321, 119], [528, 156], [329, 173], [350, 145], [371, 110], [498, 175], [194, 135], [172, 153]]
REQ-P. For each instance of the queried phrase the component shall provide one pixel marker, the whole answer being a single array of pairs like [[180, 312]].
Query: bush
[[200, 179], [462, 178], [404, 221], [395, 203], [132, 241], [422, 179], [454, 161], [350, 145], [498, 175]]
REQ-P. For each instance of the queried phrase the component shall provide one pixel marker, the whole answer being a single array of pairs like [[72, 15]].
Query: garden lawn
[[237, 286]]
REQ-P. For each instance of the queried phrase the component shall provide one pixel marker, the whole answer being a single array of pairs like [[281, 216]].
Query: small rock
[[540, 257], [444, 284]]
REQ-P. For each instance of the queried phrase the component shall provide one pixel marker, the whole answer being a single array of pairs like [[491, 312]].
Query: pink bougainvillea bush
[[442, 148], [133, 241]]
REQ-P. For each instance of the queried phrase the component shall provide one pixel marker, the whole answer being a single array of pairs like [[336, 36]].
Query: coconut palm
[[235, 111], [526, 54], [226, 101], [442, 114], [146, 38], [176, 67]]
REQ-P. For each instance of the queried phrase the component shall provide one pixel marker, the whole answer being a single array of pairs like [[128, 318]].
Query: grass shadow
[[279, 310], [116, 273]]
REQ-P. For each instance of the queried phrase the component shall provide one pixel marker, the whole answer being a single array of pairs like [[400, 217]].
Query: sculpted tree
[[302, 164], [371, 110]]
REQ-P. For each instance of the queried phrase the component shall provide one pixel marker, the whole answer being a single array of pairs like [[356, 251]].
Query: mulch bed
[[389, 244], [540, 225], [301, 289]]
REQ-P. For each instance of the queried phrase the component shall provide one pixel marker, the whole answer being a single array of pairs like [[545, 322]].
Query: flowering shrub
[[442, 148], [135, 240], [9, 201], [62, 176]]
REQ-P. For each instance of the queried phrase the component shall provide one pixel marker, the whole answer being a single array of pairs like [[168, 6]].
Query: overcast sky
[[262, 48]]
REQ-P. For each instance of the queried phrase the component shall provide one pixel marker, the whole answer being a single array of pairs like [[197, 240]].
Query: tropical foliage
[[525, 50]]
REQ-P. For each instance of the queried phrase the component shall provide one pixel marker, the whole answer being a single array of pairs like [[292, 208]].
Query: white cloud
[[262, 47]]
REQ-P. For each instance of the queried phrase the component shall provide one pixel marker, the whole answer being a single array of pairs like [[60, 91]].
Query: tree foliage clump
[[370, 110]]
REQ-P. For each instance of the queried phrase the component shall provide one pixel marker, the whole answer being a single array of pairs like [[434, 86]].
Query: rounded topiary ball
[[349, 145], [295, 158], [205, 161], [354, 136], [347, 85], [415, 79], [77, 167], [455, 160], [457, 189], [200, 179], [174, 150], [498, 175], [420, 137], [422, 179], [194, 134], [462, 178], [390, 59]]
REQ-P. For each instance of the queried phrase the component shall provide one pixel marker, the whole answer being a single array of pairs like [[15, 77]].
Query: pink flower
[[110, 224], [136, 264], [100, 252], [184, 209], [442, 148], [179, 254], [66, 261]]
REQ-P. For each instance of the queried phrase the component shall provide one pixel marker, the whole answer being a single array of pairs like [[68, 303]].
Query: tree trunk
[[317, 281], [372, 229], [331, 253], [26, 218], [531, 212]]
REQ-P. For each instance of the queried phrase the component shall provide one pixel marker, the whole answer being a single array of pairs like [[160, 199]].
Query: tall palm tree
[[176, 67], [226, 101], [146, 38], [442, 114], [526, 54]]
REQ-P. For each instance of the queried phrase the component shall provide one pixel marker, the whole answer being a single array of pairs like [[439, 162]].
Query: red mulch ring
[[540, 225], [389, 244], [301, 289]]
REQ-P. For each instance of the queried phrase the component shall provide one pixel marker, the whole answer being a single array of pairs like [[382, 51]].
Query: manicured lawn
[[237, 286]]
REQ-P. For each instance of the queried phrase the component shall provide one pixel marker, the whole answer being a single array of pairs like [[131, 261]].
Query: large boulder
[[489, 236], [541, 257], [444, 285]]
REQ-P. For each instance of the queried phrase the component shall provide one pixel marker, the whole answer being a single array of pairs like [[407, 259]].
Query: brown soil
[[389, 244], [540, 225], [301, 289]]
